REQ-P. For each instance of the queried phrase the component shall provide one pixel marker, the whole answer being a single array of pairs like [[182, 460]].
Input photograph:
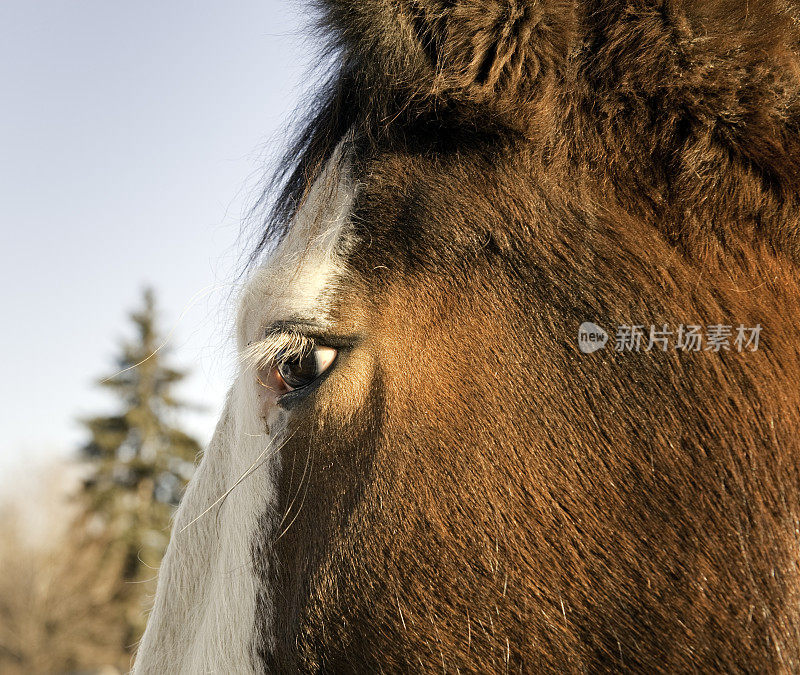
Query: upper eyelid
[[321, 334]]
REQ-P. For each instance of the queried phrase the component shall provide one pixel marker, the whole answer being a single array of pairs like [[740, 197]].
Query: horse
[[469, 432]]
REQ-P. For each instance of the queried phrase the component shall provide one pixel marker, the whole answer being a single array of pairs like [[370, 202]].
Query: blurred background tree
[[80, 603], [139, 462]]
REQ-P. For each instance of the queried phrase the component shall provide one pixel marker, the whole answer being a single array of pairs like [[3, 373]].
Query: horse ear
[[498, 55]]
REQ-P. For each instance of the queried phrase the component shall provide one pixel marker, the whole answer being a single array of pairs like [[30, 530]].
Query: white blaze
[[203, 620]]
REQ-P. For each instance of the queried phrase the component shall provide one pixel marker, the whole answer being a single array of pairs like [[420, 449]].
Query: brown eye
[[300, 371]]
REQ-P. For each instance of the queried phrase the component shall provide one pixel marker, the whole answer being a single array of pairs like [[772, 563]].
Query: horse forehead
[[296, 281]]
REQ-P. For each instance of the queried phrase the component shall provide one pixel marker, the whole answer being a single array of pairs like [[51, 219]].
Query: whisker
[[297, 494], [299, 508], [192, 302], [253, 467], [143, 581], [139, 558]]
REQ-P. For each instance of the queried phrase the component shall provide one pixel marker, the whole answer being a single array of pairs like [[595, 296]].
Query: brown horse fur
[[464, 491]]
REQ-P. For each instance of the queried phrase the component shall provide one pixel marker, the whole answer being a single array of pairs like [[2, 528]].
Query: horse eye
[[300, 371]]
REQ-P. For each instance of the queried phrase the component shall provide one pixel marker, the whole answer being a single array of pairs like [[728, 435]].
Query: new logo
[[591, 337]]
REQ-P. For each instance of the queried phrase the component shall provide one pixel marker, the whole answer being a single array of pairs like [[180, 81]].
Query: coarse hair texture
[[702, 87]]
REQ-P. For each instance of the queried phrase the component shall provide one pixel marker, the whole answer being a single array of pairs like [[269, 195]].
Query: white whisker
[[254, 466], [192, 302], [303, 501], [297, 494]]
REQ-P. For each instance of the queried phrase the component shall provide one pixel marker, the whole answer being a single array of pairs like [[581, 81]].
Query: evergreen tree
[[138, 463]]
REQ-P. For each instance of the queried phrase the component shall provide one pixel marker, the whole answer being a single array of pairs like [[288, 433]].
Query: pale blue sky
[[132, 137]]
